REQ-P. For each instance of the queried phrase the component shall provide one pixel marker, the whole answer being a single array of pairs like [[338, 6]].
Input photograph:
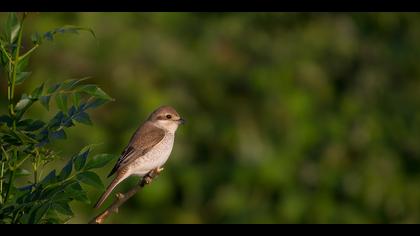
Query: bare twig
[[123, 197]]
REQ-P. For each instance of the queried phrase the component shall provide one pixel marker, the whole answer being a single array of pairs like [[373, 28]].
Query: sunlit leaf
[[22, 104], [12, 27], [22, 172]]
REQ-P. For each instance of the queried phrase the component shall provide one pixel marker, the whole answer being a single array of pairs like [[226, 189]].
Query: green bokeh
[[291, 118]]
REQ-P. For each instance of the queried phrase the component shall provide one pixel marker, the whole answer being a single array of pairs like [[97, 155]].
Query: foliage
[[26, 143], [292, 117]]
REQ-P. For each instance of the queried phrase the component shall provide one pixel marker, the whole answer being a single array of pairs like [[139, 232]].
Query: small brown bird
[[148, 149]]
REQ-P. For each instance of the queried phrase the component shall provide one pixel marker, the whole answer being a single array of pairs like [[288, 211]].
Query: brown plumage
[[145, 137], [149, 147]]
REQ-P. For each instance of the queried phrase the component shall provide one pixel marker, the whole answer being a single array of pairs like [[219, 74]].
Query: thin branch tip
[[121, 198]]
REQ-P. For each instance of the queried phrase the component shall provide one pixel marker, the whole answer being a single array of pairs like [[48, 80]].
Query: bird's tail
[[109, 189]]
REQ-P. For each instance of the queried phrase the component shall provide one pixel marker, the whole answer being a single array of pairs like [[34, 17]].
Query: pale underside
[[154, 158]]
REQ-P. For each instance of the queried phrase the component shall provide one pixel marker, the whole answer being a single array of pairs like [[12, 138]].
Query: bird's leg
[[148, 178]]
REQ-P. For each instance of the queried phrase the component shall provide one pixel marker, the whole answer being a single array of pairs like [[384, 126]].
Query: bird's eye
[[168, 116]]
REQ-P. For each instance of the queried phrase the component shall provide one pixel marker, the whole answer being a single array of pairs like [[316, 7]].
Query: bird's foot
[[147, 179], [158, 170]]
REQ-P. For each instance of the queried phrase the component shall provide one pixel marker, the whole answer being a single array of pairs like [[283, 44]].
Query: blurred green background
[[292, 117]]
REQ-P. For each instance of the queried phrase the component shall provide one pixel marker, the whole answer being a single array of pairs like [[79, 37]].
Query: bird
[[148, 149]]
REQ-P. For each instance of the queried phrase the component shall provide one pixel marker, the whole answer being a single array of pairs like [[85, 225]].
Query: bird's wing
[[144, 139]]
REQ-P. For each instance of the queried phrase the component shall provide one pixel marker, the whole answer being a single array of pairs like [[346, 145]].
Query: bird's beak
[[181, 121]]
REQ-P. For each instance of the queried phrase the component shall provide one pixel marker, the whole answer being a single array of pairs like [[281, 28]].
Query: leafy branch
[[28, 142]]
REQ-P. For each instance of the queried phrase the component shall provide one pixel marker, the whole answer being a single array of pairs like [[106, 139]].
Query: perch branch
[[123, 197]]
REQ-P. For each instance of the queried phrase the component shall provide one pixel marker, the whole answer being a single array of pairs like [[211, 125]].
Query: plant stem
[[11, 94], [14, 73], [35, 176], [29, 52], [5, 52]]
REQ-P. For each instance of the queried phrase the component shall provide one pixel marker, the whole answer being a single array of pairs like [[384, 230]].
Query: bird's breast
[[155, 158]]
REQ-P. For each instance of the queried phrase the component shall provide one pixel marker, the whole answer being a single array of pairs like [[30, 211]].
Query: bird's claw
[[147, 179], [159, 169]]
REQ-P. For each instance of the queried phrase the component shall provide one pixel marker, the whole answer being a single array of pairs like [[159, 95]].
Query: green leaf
[[37, 91], [95, 91], [24, 138], [53, 88], [80, 159], [99, 161], [22, 104], [95, 103], [76, 192], [60, 134], [36, 125], [66, 29], [83, 118], [21, 77], [72, 83], [51, 191], [57, 119], [22, 172], [61, 100], [22, 64], [36, 38], [45, 101], [50, 178], [37, 214], [51, 217], [74, 29], [76, 98], [12, 27], [66, 171], [91, 179], [62, 208]]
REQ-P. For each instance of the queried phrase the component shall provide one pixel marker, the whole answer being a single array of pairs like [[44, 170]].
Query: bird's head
[[166, 117]]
